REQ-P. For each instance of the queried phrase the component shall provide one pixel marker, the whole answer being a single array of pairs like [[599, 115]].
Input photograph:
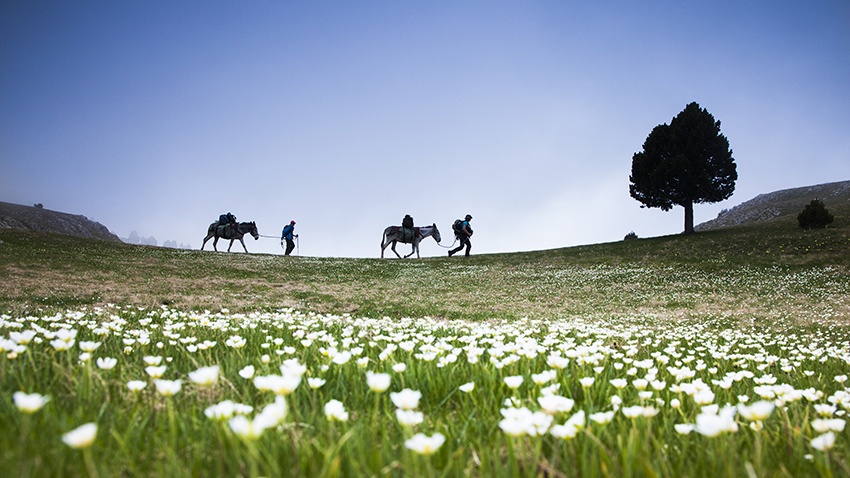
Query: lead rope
[[448, 247], [275, 237]]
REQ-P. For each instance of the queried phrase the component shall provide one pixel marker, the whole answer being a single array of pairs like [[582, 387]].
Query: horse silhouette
[[393, 235], [231, 232]]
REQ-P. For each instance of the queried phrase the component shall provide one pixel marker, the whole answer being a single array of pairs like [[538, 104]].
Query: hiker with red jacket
[[287, 235]]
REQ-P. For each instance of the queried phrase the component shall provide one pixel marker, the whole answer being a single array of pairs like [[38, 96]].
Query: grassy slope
[[787, 202], [771, 270]]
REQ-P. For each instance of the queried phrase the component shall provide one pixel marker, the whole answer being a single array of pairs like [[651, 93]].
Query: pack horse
[[232, 232], [395, 234]]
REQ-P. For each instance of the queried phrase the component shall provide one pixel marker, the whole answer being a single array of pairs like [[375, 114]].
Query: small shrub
[[630, 236], [814, 216]]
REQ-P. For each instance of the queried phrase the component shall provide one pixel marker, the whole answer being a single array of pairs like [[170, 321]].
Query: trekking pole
[[297, 246]]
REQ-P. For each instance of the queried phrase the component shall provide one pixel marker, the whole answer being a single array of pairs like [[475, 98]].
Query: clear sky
[[158, 116]]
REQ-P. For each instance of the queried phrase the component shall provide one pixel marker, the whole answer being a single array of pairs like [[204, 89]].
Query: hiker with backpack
[[463, 232], [286, 235]]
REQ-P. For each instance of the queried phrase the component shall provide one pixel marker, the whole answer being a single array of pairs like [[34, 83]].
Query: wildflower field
[[673, 358]]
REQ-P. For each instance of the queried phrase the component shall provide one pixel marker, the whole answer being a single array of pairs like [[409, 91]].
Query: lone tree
[[683, 163], [815, 216]]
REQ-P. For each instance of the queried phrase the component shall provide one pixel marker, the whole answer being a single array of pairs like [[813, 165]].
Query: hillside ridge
[[16, 216], [784, 202]]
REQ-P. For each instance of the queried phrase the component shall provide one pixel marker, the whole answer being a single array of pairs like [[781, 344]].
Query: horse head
[[254, 232], [436, 233]]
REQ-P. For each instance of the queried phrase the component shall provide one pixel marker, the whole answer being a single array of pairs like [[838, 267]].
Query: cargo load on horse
[[225, 219], [408, 232], [224, 231], [226, 226]]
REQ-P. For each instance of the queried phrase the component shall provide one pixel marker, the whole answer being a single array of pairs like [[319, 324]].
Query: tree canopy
[[684, 163]]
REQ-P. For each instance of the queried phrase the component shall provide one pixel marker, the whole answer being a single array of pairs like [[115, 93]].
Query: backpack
[[457, 227]]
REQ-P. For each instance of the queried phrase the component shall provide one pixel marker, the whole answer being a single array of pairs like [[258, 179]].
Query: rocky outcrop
[[779, 203], [16, 216]]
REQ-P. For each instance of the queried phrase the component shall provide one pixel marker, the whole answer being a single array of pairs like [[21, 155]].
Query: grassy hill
[[769, 269], [631, 356], [786, 203]]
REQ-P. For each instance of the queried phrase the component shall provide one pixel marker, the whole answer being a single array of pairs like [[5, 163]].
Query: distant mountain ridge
[[780, 203], [15, 216]]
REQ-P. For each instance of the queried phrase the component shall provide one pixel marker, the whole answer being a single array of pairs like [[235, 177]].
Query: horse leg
[[412, 249], [396, 252], [243, 245], [231, 245], [384, 244], [205, 241], [215, 244]]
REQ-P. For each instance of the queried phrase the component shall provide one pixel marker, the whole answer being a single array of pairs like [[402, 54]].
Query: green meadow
[[723, 353]]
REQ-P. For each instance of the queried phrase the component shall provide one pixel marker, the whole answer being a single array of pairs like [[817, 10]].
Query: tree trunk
[[689, 218]]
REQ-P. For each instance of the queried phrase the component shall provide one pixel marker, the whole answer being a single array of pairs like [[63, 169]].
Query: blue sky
[[345, 116]]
